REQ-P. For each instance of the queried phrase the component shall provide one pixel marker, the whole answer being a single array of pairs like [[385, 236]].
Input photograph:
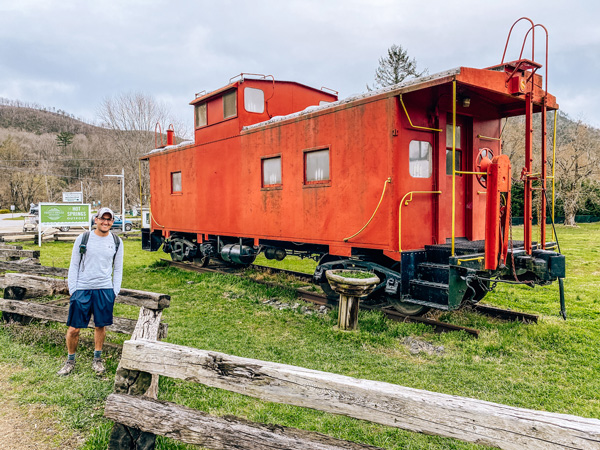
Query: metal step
[[427, 291], [435, 272], [409, 299]]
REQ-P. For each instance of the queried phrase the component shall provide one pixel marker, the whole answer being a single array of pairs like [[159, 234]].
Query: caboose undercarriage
[[431, 278]]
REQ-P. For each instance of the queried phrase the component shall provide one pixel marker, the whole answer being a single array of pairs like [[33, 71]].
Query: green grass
[[551, 366]]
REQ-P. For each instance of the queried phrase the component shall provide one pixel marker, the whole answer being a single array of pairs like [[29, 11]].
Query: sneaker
[[67, 368], [98, 366]]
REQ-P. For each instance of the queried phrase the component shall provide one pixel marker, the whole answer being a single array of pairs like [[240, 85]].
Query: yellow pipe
[[479, 258], [410, 122], [453, 161], [403, 202], [488, 138], [471, 173], [553, 167], [389, 180]]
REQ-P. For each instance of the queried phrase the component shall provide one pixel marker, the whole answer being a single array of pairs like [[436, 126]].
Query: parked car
[[118, 224]]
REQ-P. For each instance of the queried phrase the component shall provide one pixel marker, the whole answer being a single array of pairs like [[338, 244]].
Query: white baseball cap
[[105, 210]]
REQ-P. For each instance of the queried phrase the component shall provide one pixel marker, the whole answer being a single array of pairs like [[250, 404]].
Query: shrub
[[4, 211]]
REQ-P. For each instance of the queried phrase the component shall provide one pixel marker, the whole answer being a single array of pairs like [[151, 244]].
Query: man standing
[[95, 276]]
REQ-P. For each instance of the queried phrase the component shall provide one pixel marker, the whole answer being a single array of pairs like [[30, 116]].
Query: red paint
[[368, 139]]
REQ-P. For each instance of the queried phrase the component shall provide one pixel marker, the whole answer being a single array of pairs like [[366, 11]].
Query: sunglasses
[[102, 219]]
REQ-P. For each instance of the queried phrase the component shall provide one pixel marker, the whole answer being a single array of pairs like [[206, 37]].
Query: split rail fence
[[19, 287], [139, 418]]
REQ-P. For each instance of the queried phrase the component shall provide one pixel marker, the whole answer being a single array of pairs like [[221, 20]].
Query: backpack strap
[[83, 247], [117, 244]]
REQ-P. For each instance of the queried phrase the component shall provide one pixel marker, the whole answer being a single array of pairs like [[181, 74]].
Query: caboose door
[[462, 154]]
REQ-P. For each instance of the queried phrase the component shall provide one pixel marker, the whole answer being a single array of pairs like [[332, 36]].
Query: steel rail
[[321, 299]]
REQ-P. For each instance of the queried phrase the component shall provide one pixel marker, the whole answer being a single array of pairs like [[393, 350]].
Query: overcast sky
[[71, 54]]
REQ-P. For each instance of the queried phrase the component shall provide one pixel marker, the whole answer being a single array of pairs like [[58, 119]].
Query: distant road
[[11, 225]]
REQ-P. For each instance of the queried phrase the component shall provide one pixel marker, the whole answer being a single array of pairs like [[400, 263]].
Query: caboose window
[[254, 100], [175, 182], [229, 105], [419, 154], [316, 166], [271, 170], [201, 118], [457, 157]]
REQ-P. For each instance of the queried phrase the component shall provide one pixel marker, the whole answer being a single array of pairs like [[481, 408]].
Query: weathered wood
[[18, 237], [10, 247], [216, 433], [137, 382], [33, 268], [388, 404], [60, 314], [19, 253], [41, 286], [34, 286], [150, 300], [348, 313]]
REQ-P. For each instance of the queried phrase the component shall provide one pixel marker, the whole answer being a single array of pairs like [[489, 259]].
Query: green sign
[[62, 214]]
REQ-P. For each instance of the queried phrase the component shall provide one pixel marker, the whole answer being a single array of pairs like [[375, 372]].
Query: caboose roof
[[490, 83]]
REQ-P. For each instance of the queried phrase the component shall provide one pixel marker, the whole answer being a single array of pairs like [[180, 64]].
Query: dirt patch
[[29, 427]]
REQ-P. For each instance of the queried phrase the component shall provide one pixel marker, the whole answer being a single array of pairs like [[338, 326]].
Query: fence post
[[134, 382]]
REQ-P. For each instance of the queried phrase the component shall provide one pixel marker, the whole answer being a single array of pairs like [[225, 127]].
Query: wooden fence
[[19, 287], [416, 410]]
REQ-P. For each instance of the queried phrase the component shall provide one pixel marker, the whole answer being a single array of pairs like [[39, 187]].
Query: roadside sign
[[53, 214], [12, 207], [72, 197], [62, 215]]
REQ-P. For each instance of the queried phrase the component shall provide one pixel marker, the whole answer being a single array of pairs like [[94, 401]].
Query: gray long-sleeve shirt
[[95, 271]]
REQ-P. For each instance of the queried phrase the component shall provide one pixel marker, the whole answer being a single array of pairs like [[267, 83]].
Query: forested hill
[[40, 121]]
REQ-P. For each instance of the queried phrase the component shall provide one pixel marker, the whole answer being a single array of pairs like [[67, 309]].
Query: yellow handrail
[[402, 202], [410, 122], [462, 172], [453, 160], [389, 180], [478, 258], [488, 138]]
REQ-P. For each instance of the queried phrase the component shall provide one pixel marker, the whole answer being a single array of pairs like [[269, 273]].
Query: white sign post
[[72, 197]]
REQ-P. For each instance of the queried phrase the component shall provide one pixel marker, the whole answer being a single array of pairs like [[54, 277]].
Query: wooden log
[[37, 286], [136, 382], [33, 286], [216, 433], [348, 313], [10, 247], [61, 313], [33, 269], [19, 237], [19, 253], [388, 404]]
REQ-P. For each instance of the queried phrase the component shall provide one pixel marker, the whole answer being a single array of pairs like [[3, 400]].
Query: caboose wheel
[[408, 309], [177, 248], [202, 261]]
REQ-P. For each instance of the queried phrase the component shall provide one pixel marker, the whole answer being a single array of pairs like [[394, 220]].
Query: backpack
[[83, 246]]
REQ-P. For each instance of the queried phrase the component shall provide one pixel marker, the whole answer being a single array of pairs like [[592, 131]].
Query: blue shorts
[[84, 303]]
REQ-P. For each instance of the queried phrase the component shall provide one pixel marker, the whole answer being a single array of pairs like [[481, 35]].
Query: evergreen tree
[[64, 138], [395, 67]]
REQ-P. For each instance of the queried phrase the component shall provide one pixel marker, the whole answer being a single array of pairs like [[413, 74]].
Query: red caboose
[[407, 181]]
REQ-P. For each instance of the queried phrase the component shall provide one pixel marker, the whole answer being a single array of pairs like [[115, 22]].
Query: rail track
[[305, 293]]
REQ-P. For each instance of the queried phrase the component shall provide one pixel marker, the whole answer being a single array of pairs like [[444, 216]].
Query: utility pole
[[122, 179]]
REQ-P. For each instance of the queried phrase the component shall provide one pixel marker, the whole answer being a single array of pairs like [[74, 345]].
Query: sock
[[71, 357], [97, 354]]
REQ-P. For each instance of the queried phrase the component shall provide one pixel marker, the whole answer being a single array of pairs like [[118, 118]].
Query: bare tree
[[395, 67], [577, 167], [130, 120]]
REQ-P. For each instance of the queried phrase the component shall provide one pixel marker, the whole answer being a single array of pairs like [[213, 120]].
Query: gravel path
[[34, 428]]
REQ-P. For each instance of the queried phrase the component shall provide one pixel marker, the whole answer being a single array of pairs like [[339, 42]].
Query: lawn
[[552, 365]]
